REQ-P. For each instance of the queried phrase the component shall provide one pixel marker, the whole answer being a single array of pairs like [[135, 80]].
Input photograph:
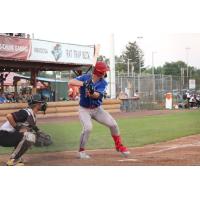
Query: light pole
[[153, 76], [187, 49], [118, 75], [112, 67], [153, 52], [139, 39], [139, 76], [128, 66], [55, 93], [139, 87], [132, 69]]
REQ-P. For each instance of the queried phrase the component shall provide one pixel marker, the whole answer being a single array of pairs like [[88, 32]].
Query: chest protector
[[31, 120]]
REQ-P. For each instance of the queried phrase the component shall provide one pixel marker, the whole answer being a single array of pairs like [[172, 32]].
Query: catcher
[[20, 130]]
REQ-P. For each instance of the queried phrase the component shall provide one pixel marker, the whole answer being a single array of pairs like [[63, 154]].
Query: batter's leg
[[106, 119], [85, 119]]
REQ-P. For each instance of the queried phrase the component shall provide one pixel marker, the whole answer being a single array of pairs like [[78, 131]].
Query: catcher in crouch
[[20, 130], [92, 88]]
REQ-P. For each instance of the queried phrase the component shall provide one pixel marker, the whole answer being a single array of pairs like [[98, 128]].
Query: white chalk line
[[146, 153], [175, 147], [163, 150], [128, 160], [157, 151]]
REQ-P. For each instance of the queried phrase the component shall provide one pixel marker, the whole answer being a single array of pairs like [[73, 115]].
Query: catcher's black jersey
[[23, 116], [20, 116]]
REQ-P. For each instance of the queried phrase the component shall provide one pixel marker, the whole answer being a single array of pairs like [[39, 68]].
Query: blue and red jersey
[[99, 86]]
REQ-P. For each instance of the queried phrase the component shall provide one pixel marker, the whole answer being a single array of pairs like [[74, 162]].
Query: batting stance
[[92, 88], [20, 128]]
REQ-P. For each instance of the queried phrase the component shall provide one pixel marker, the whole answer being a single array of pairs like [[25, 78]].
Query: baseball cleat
[[123, 150], [83, 155], [15, 162]]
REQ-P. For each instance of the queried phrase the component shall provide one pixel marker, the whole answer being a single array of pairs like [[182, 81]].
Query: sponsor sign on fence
[[192, 84]]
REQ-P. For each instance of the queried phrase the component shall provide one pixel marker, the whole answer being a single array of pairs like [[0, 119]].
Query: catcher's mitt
[[42, 139]]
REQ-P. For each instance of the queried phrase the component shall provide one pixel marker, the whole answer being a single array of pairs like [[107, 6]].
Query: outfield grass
[[136, 131]]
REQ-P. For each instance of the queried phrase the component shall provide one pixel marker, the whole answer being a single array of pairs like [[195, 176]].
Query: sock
[[117, 140], [81, 149]]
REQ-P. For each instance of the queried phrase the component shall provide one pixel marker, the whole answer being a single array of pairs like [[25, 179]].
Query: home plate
[[128, 160]]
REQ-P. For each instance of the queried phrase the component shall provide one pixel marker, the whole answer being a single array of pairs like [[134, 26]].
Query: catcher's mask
[[37, 99]]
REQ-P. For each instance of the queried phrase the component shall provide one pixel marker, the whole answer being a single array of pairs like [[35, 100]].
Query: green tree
[[174, 68], [120, 65], [158, 70], [134, 53], [103, 58]]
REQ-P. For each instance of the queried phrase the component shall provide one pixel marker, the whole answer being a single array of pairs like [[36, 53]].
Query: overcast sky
[[165, 47]]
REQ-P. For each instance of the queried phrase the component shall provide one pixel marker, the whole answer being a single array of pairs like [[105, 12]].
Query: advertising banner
[[15, 48], [40, 50], [61, 52]]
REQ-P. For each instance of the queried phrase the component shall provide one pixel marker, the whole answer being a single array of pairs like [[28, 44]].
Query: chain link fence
[[151, 89]]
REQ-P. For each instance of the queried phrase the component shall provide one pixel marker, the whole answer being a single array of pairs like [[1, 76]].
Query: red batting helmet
[[100, 68]]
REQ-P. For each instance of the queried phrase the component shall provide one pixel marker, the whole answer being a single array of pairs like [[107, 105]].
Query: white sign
[[192, 84], [168, 101], [61, 52]]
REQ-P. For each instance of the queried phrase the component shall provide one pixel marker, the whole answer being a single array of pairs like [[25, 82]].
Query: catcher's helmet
[[101, 68], [35, 99]]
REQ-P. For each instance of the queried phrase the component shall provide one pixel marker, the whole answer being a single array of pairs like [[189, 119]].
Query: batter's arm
[[75, 82], [96, 95]]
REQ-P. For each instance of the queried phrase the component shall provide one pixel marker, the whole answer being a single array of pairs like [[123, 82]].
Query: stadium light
[[187, 49]]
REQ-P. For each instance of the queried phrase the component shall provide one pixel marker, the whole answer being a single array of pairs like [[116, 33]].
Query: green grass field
[[136, 131]]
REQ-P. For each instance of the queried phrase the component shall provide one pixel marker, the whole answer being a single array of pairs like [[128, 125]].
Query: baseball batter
[[92, 88]]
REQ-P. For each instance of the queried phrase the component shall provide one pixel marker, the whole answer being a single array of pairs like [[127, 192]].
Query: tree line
[[135, 56]]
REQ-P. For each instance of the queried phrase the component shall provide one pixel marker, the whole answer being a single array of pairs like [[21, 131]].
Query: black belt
[[91, 107]]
